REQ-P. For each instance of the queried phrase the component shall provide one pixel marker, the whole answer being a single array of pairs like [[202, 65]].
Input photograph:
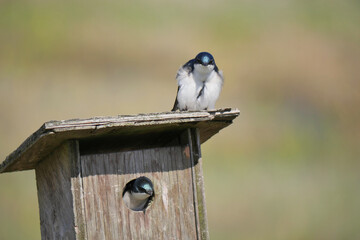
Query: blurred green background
[[288, 168]]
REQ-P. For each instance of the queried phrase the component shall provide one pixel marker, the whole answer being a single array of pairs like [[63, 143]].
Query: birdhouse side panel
[[55, 196]]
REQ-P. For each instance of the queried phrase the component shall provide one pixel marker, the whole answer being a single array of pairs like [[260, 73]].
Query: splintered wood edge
[[58, 130]]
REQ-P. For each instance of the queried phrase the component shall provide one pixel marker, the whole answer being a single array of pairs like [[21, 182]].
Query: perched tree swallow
[[138, 193], [199, 84]]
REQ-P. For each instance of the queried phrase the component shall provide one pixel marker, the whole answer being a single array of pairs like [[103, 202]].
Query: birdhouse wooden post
[[83, 165]]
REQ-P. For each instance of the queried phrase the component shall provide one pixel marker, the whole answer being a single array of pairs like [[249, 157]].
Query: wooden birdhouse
[[83, 165]]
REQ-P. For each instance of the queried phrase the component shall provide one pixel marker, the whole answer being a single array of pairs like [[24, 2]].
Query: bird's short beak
[[150, 192]]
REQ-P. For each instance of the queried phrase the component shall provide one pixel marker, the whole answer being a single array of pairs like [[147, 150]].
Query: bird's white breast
[[211, 92], [135, 201]]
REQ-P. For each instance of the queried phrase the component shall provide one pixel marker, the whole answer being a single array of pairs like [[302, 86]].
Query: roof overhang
[[154, 125]]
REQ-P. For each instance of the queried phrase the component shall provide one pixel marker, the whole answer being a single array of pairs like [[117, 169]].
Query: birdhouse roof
[[129, 131]]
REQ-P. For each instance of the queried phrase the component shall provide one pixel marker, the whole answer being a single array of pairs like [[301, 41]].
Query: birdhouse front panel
[[170, 215]]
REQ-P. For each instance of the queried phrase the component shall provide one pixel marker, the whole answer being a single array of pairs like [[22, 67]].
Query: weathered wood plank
[[162, 125], [77, 190], [71, 191], [199, 183], [171, 214], [59, 194]]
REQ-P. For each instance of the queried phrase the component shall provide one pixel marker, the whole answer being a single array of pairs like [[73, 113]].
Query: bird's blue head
[[204, 58], [143, 185]]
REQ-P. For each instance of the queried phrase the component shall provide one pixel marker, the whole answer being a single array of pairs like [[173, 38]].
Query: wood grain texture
[[57, 203], [164, 126], [80, 196], [170, 216], [77, 191], [198, 181]]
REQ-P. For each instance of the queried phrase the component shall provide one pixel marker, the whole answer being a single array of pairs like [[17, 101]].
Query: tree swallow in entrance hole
[[138, 193], [199, 84]]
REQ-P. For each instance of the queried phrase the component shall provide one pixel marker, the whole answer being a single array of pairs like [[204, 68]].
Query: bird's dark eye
[[211, 62]]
